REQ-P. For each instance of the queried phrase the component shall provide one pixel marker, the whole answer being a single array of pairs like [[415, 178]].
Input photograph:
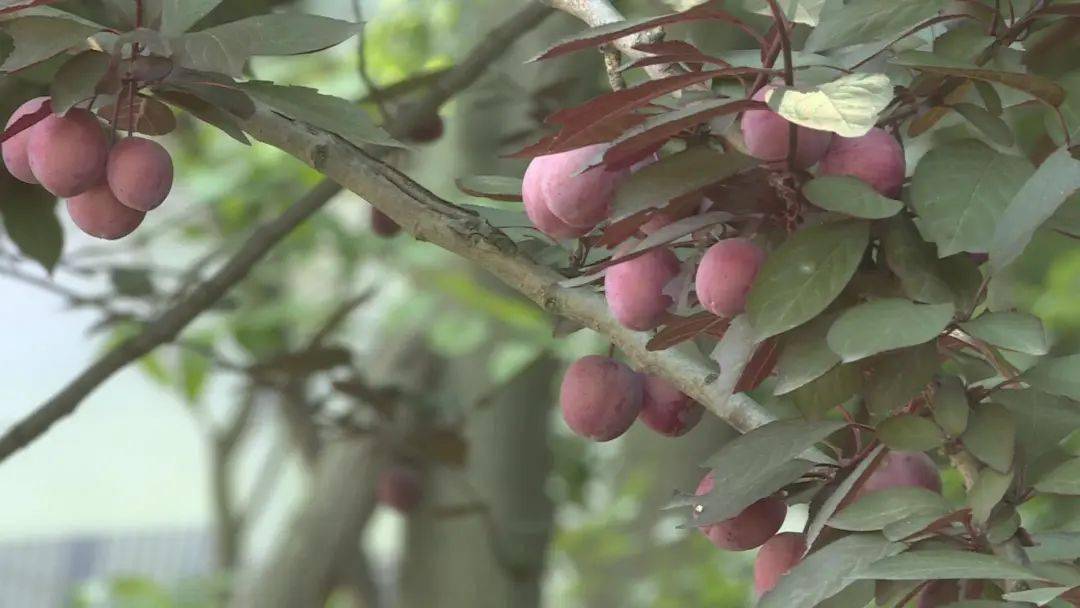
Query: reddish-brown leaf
[[623, 229], [681, 329], [26, 121], [760, 366], [659, 129], [627, 100], [599, 133], [608, 33]]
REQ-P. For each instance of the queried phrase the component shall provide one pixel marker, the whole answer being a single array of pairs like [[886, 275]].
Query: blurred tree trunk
[[481, 540]]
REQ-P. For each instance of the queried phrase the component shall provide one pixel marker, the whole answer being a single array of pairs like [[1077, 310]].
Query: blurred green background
[[96, 513]]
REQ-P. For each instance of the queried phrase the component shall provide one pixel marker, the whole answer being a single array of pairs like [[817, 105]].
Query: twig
[[611, 64], [789, 78], [373, 91]]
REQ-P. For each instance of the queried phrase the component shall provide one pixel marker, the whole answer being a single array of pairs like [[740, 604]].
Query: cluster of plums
[[108, 191], [565, 201], [601, 398], [758, 524]]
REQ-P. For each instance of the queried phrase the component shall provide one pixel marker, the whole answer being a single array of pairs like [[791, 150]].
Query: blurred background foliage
[[613, 545]]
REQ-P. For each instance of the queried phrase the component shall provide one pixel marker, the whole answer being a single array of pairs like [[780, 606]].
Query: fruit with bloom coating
[[750, 528], [666, 410], [635, 288], [725, 274], [766, 135], [14, 149], [578, 200], [600, 397], [97, 213], [68, 153], [776, 558], [399, 487], [140, 173], [899, 469], [876, 158]]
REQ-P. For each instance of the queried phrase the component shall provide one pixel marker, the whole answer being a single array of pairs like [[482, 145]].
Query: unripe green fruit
[[876, 158], [578, 200], [776, 558], [600, 397], [766, 134], [635, 288], [16, 158], [750, 528], [399, 487], [666, 410], [382, 225], [97, 213], [68, 153], [900, 469], [724, 277], [140, 173]]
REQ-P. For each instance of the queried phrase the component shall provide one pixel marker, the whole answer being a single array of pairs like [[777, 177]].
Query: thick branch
[[430, 218]]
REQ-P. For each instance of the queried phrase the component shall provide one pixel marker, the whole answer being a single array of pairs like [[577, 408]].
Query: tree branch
[[430, 218], [166, 327]]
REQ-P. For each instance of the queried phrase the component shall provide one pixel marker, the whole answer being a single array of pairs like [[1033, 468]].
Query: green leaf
[[799, 11], [1040, 596], [1017, 331], [77, 80], [994, 128], [805, 355], [887, 324], [848, 106], [990, 98], [1042, 420], [177, 16], [960, 190], [226, 48], [133, 282], [1040, 197], [39, 38], [206, 112], [333, 114], [951, 409], [991, 436], [804, 275], [910, 433], [869, 21], [1054, 546], [843, 489], [944, 564], [878, 509], [850, 196], [822, 395], [674, 176], [1044, 89], [493, 187], [194, 370], [1059, 376], [1063, 479], [747, 468], [987, 492], [29, 215], [915, 262], [826, 572], [897, 377]]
